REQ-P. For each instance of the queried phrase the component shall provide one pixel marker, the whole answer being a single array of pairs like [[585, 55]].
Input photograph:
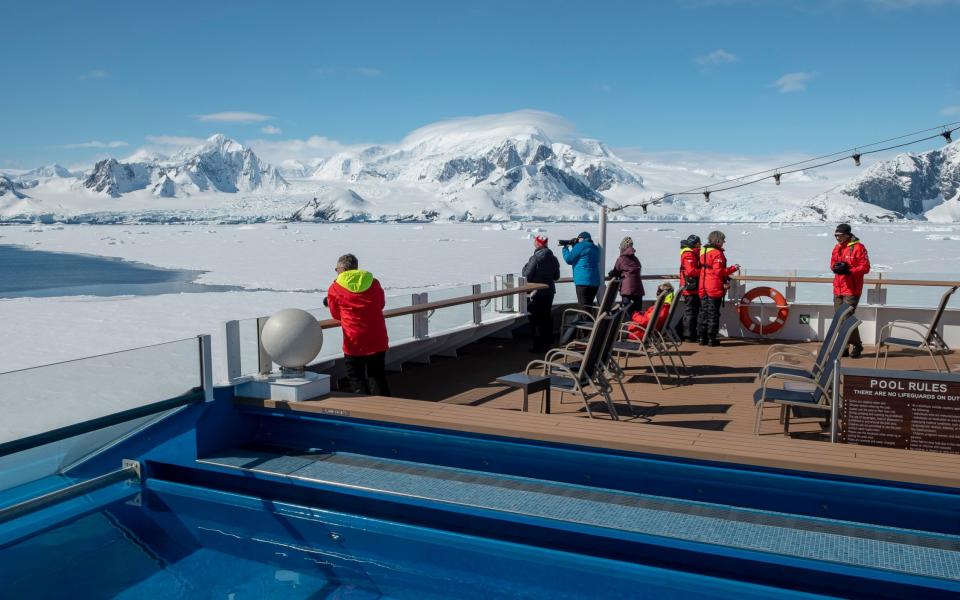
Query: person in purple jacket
[[627, 268]]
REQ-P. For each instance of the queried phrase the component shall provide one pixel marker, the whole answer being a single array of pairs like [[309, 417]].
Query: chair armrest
[[766, 368], [788, 377], [788, 348], [556, 353], [910, 326], [576, 311], [549, 365], [774, 358]]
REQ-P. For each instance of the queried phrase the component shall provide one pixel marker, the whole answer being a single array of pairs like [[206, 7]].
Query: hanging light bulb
[[706, 196], [856, 159], [946, 135], [776, 178]]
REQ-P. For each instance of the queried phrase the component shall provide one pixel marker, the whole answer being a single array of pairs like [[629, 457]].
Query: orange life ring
[[756, 326]]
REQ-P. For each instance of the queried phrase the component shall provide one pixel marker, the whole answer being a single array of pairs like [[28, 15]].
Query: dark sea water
[[38, 274]]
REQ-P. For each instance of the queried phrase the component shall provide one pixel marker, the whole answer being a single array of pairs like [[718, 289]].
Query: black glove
[[325, 301], [611, 275], [692, 283], [841, 268]]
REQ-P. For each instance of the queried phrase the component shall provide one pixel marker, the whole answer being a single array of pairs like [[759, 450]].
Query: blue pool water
[[36, 273], [186, 542]]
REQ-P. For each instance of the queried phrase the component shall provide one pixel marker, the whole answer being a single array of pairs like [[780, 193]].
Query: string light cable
[[855, 153]]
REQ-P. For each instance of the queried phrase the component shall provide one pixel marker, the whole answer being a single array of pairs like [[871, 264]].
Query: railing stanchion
[[477, 309], [522, 298], [206, 367], [264, 362], [229, 351]]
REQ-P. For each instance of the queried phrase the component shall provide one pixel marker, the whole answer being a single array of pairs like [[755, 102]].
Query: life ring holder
[[757, 326]]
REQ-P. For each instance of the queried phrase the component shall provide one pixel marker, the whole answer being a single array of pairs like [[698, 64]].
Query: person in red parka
[[714, 281], [690, 287], [640, 321], [357, 300], [849, 263]]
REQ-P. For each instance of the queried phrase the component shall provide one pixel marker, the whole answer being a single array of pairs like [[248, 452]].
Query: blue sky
[[87, 80]]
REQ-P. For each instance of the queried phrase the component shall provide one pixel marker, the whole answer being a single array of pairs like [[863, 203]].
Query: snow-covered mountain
[[10, 188], [515, 164], [915, 186], [46, 172], [218, 165], [526, 165]]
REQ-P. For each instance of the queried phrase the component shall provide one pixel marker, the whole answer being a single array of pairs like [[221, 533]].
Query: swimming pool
[[237, 502], [186, 542]]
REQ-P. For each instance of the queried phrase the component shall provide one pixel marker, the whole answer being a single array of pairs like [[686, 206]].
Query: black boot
[[856, 352], [714, 342], [703, 341]]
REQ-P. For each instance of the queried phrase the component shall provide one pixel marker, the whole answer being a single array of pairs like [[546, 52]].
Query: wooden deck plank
[[710, 418]]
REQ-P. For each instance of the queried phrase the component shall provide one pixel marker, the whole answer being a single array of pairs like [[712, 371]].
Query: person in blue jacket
[[584, 256]]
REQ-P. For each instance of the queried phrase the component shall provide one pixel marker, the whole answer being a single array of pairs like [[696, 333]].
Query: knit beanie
[[626, 243]]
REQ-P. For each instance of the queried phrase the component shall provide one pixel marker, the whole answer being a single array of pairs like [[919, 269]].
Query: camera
[[840, 268], [567, 242]]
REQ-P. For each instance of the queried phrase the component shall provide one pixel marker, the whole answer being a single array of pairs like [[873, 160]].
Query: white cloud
[[314, 147], [96, 144], [271, 130], [950, 110], [717, 57], [232, 117], [95, 74], [793, 82], [359, 71]]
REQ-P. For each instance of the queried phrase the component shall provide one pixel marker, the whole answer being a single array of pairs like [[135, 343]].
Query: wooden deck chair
[[931, 340], [576, 319], [787, 351], [817, 398], [611, 367], [644, 347], [586, 380]]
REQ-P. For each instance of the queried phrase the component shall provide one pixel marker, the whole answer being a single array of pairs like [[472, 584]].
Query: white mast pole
[[603, 239]]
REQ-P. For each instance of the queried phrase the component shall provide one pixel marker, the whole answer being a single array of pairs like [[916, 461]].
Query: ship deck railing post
[[477, 307]]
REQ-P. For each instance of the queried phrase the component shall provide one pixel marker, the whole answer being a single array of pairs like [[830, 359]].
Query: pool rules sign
[[900, 409]]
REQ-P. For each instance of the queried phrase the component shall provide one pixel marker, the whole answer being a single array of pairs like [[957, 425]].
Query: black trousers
[[634, 303], [855, 340], [690, 325], [367, 374], [586, 295], [710, 317], [540, 306]]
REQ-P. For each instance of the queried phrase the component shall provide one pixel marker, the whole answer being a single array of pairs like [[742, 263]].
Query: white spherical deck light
[[292, 338]]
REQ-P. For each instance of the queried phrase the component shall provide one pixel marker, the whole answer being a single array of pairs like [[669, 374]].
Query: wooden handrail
[[460, 300], [796, 279], [418, 308]]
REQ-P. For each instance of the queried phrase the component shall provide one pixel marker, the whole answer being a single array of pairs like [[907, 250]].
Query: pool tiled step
[[900, 550]]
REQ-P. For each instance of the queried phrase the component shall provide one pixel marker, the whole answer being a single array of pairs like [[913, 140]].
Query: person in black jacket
[[543, 267]]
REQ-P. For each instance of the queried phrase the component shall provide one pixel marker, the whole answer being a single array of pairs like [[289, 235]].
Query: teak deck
[[711, 417]]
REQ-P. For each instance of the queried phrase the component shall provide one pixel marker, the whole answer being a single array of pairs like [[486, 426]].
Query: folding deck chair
[[817, 398], [931, 341], [669, 339], [645, 346], [585, 379], [609, 363], [789, 351], [582, 320]]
